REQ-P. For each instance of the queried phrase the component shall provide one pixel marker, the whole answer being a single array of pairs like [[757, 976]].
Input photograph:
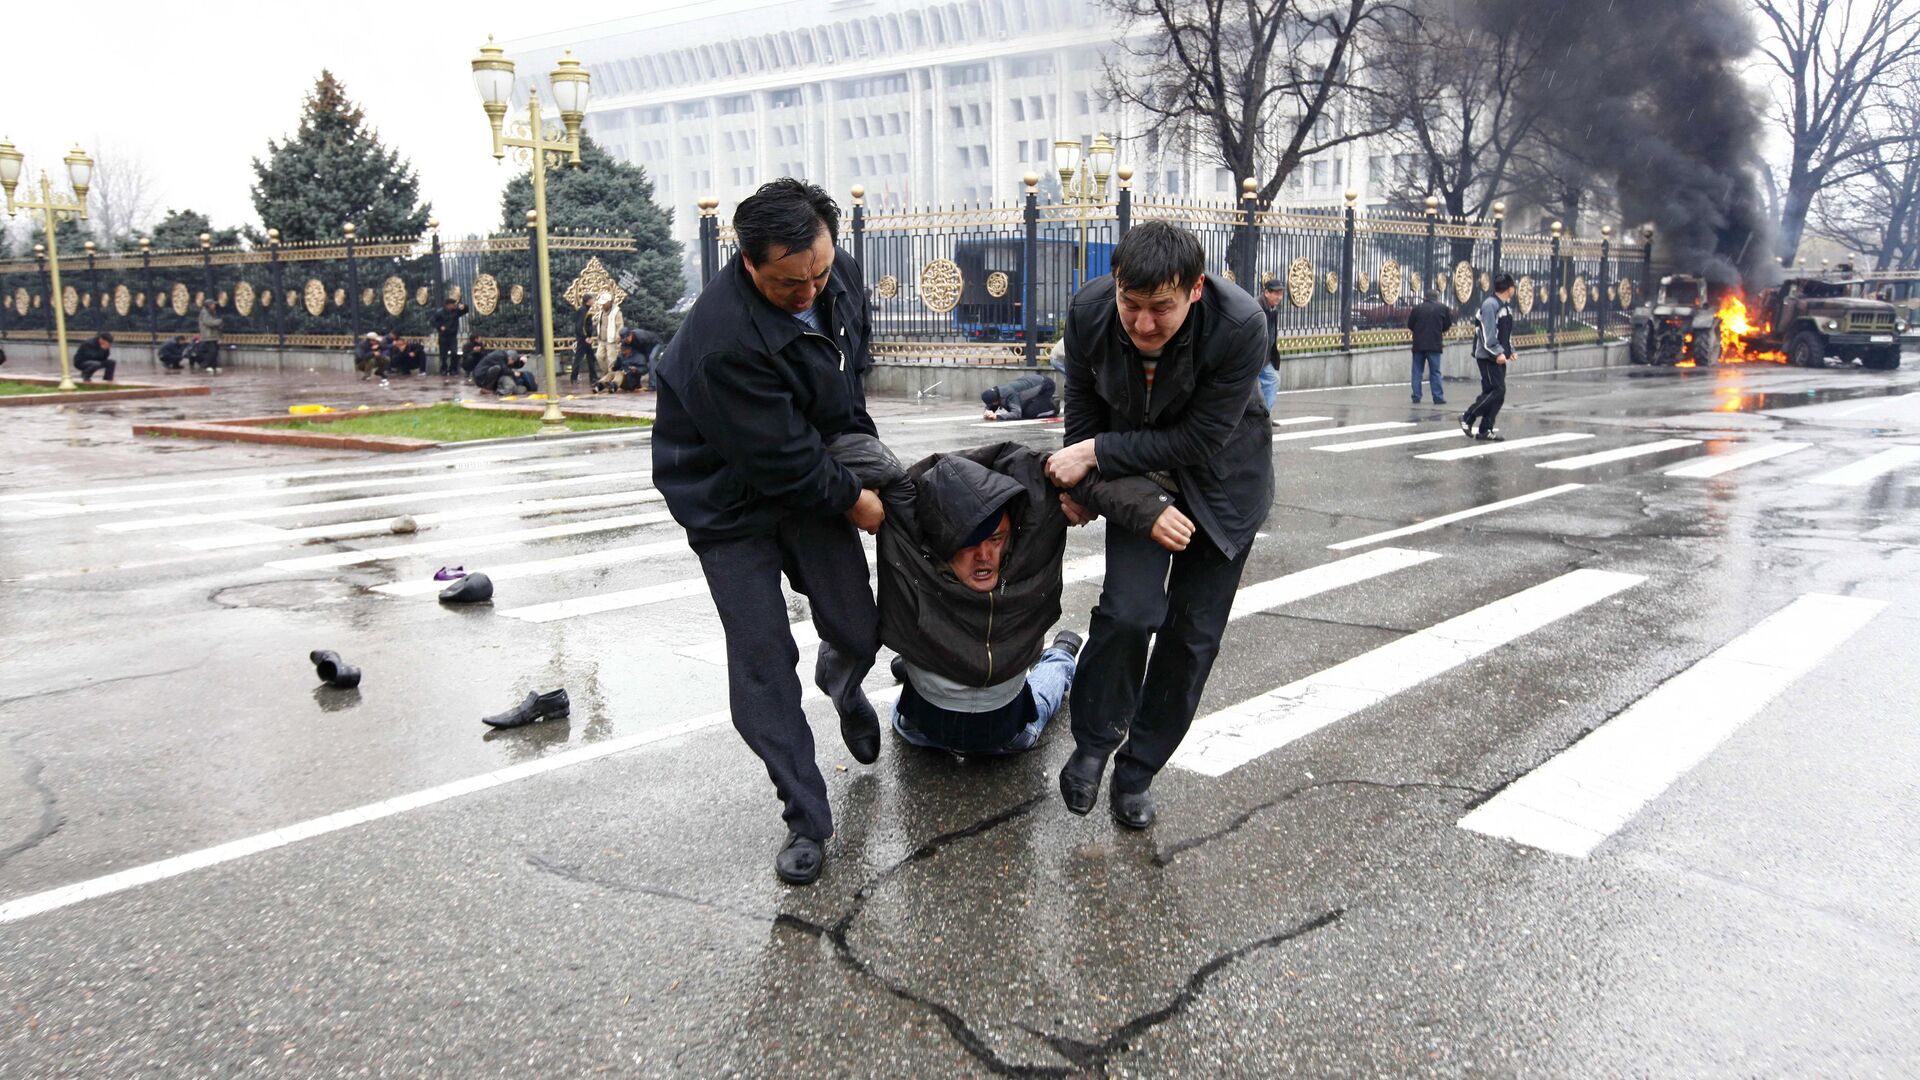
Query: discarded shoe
[[800, 860], [1134, 809], [1080, 780], [333, 671], [548, 706], [474, 588], [403, 524], [450, 573], [1069, 641]]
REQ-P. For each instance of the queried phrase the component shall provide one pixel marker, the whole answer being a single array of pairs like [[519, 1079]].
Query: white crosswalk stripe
[[950, 418], [1391, 440], [1448, 519], [1292, 421], [1015, 423], [1867, 470], [595, 603], [1350, 429], [1719, 464], [1623, 453], [586, 560], [405, 497], [466, 544], [1223, 741], [1588, 792], [1485, 448], [348, 530]]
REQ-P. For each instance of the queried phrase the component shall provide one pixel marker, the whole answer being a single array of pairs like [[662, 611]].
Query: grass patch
[[8, 387], [449, 423]]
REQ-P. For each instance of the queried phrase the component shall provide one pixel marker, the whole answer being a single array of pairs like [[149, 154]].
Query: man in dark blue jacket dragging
[[767, 370]]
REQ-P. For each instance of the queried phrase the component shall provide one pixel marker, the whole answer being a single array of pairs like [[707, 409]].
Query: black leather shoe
[[333, 671], [1068, 640], [472, 589], [548, 706], [1080, 780], [800, 860], [1132, 809], [860, 730]]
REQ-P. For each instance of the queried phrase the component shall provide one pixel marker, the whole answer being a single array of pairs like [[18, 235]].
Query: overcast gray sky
[[195, 90]]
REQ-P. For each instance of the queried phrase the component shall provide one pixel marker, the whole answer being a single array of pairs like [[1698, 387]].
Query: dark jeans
[[821, 557], [88, 367], [586, 358], [1493, 394], [1431, 360], [1183, 613], [449, 357]]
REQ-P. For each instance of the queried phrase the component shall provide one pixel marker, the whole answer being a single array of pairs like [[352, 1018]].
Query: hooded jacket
[[1204, 423], [926, 613], [749, 398]]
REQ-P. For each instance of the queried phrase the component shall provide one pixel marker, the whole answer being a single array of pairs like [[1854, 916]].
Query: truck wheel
[[1807, 349], [1882, 359], [1706, 350], [1637, 349]]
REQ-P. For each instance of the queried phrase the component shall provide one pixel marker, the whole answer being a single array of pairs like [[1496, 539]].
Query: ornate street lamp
[[53, 209], [570, 84], [1083, 182]]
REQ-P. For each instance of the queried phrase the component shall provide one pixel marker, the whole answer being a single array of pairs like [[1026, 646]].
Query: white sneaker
[[383, 384]]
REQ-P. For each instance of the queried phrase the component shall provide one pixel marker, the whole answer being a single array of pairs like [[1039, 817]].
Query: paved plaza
[[1586, 753]]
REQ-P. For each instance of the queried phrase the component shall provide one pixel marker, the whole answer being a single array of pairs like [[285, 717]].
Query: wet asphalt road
[[1309, 902]]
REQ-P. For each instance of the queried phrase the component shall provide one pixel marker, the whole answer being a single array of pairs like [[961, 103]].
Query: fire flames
[[1734, 330]]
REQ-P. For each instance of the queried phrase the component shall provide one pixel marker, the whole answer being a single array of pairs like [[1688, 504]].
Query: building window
[[1019, 114], [1173, 183], [1222, 180], [690, 110], [961, 153], [739, 103], [1083, 103], [959, 118], [783, 99], [980, 156], [853, 166], [1033, 107]]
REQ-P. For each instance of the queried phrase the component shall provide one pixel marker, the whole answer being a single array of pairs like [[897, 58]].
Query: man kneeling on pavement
[[970, 575]]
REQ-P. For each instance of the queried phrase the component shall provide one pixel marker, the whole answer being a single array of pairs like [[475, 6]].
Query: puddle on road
[[1738, 401]]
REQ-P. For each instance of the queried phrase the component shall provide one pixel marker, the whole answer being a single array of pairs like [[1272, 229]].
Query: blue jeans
[[1432, 362], [1047, 682], [1270, 384]]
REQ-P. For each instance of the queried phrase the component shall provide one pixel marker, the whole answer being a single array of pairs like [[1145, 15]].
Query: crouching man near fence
[[1162, 361]]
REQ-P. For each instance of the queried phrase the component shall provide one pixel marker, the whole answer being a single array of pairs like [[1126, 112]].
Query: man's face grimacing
[[1152, 318], [978, 567], [791, 280]]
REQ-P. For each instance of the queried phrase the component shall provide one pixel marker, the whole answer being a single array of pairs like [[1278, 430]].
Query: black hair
[[1155, 254], [104, 336], [990, 397], [1503, 283], [784, 216]]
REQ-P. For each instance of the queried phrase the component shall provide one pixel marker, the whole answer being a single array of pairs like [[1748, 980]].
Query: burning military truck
[[1806, 320], [1678, 326]]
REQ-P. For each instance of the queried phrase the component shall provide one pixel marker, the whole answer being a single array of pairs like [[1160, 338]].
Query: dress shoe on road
[[548, 706], [475, 588], [1080, 780], [333, 671], [1067, 641], [1132, 809], [860, 730], [800, 860]]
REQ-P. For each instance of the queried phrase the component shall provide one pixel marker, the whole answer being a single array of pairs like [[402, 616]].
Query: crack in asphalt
[[4, 702], [1083, 1056], [51, 819], [1245, 817]]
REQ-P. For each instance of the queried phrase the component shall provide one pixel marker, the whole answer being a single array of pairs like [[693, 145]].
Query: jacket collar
[[777, 328]]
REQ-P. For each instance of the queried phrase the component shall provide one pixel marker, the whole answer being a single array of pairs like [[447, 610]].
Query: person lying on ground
[[1028, 397]]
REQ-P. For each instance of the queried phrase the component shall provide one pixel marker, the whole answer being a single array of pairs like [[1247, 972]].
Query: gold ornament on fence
[[1523, 293], [140, 301], [486, 294], [1414, 283], [1300, 282], [516, 293], [86, 300], [997, 284], [1389, 282], [36, 301], [1463, 281], [366, 297], [222, 301], [887, 287], [940, 283], [21, 301], [422, 296], [454, 293], [1563, 294], [1612, 292], [393, 295], [1228, 274], [1486, 283], [266, 298], [199, 298], [1626, 292], [122, 299], [314, 294], [293, 297], [243, 295], [1580, 293], [70, 300], [593, 280], [1332, 283], [339, 297], [1362, 284]]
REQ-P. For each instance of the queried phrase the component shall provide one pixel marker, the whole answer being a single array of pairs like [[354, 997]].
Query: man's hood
[[956, 495]]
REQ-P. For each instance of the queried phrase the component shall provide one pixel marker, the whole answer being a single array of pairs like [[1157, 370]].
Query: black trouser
[[449, 357], [88, 367], [821, 557], [592, 362], [1185, 613], [1493, 394], [204, 354]]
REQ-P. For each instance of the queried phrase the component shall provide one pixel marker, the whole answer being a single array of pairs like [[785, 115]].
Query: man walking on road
[[1161, 363], [1492, 350], [1429, 320], [767, 369]]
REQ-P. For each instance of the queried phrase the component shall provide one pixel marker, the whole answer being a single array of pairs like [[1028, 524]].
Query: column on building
[[997, 122]]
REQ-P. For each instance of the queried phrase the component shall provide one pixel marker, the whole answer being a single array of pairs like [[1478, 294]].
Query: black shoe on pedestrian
[[1490, 436], [1134, 809], [1068, 641], [334, 671], [860, 729], [1416, 401], [472, 589], [1439, 401], [1466, 425], [897, 667], [548, 706], [800, 860], [1080, 780]]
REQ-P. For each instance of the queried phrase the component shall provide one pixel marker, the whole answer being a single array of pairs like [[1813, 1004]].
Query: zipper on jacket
[[837, 350], [992, 603]]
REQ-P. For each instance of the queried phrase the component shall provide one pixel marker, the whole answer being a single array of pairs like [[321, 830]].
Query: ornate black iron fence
[[991, 284]]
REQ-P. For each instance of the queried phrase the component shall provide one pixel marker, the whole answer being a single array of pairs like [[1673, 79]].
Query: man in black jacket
[[446, 322], [1028, 397], [95, 354], [1161, 366], [1429, 321], [173, 354], [767, 369]]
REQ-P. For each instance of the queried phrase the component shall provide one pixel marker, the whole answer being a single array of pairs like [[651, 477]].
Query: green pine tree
[[182, 229], [73, 238], [335, 170], [601, 196]]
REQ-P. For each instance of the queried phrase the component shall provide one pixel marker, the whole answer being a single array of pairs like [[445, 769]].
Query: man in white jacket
[[607, 325]]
